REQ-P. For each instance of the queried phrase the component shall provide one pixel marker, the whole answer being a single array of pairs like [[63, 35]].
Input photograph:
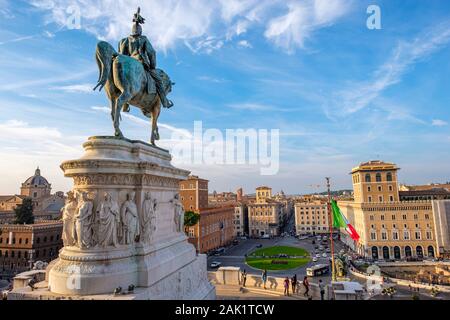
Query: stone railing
[[400, 282], [231, 276]]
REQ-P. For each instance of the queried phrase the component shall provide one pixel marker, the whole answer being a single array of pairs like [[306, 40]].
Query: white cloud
[[405, 55], [292, 29], [439, 123], [16, 129], [204, 26], [75, 88], [211, 79], [252, 107], [245, 44]]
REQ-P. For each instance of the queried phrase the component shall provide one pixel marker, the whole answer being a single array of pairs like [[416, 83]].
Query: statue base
[[163, 266]]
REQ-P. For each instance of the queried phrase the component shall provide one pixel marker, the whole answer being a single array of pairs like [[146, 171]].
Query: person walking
[[286, 286], [322, 290], [264, 278], [294, 283], [244, 277], [306, 285]]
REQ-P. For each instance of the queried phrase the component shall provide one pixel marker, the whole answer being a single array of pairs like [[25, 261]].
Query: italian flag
[[339, 221]]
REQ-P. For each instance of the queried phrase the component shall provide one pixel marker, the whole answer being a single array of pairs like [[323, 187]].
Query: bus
[[317, 270]]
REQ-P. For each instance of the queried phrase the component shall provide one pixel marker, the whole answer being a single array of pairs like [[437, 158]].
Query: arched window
[[386, 255], [419, 252], [367, 177], [375, 253], [378, 177], [389, 176], [397, 255], [431, 251], [408, 251]]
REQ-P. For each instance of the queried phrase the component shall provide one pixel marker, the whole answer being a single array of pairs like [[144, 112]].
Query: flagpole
[[330, 222]]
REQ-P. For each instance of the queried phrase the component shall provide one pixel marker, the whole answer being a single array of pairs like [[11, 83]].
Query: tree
[[24, 212], [191, 218]]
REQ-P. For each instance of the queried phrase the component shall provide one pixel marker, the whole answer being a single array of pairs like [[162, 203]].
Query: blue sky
[[339, 93]]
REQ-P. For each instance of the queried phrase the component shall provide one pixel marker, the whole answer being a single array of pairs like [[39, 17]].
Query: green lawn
[[254, 259], [272, 251]]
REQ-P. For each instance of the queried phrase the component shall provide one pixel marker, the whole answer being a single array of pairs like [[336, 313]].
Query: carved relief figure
[[68, 218], [178, 217], [130, 222], [84, 221], [109, 218], [148, 221]]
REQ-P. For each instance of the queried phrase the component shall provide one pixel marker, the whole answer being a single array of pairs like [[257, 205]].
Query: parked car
[[243, 238], [328, 250], [282, 255], [324, 255], [215, 264], [235, 241], [314, 259], [219, 251], [318, 255], [259, 245], [266, 236]]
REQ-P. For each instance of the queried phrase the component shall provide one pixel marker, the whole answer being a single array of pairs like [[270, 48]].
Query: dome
[[37, 179]]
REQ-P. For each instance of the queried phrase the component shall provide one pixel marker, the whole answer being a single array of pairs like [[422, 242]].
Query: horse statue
[[126, 83]]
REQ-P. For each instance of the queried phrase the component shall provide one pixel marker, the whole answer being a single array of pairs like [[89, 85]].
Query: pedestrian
[[264, 278], [306, 285], [322, 290], [286, 286], [294, 283], [244, 277]]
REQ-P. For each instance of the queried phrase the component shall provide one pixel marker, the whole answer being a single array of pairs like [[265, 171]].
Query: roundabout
[[278, 258]]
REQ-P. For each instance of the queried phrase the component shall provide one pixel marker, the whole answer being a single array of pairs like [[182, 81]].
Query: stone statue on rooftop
[[130, 77]]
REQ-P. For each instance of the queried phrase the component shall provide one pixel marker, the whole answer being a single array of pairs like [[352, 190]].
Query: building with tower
[[390, 227]]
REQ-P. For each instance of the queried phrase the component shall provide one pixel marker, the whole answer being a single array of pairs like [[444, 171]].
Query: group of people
[[293, 284]]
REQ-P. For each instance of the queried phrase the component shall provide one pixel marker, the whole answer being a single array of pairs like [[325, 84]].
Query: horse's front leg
[[116, 119]]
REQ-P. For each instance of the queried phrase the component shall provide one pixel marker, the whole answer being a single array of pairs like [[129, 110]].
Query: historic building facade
[[22, 245], [266, 215], [46, 206], [388, 227], [311, 216], [215, 227], [194, 193]]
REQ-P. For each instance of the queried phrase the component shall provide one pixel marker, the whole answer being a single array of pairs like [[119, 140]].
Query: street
[[235, 255]]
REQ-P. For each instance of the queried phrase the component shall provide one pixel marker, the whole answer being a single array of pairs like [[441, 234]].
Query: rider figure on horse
[[139, 47]]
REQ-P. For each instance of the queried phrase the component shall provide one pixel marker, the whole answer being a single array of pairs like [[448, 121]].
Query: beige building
[[46, 206], [265, 216], [388, 228], [311, 216]]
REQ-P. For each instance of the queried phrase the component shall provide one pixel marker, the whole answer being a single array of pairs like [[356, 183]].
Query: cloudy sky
[[339, 93]]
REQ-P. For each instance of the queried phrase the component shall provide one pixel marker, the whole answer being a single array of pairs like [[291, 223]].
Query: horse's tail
[[104, 55]]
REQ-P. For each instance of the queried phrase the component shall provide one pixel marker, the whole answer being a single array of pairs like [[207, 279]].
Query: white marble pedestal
[[162, 265]]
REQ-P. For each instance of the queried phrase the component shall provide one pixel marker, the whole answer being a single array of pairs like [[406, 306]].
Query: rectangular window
[[395, 235], [429, 235], [384, 236], [405, 235], [373, 236], [418, 235]]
